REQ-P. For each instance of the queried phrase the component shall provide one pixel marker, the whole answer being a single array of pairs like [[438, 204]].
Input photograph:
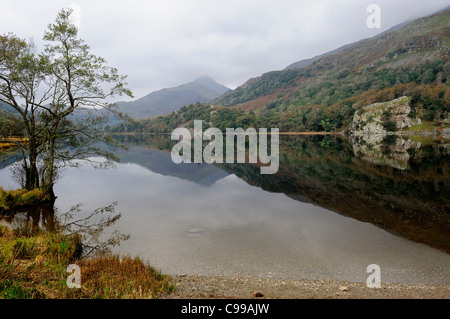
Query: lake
[[335, 207]]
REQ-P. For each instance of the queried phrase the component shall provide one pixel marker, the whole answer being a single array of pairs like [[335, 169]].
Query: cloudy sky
[[166, 43]]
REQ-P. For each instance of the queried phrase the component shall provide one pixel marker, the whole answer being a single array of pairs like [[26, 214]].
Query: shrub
[[429, 115], [390, 126]]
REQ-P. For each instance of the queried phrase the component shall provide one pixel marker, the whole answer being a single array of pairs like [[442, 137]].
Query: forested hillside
[[324, 95]]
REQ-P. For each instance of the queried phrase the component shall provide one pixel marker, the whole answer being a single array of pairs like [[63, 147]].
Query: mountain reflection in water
[[394, 183], [335, 206]]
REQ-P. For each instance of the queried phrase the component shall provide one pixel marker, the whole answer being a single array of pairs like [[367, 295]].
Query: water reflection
[[92, 227], [398, 184], [152, 152], [331, 210], [412, 200], [31, 219]]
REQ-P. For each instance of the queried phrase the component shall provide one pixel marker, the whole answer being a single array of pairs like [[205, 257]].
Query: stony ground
[[210, 287]]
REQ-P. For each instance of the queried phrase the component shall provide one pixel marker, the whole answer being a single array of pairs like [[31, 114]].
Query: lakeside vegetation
[[16, 199], [430, 103], [34, 261], [34, 265], [34, 257]]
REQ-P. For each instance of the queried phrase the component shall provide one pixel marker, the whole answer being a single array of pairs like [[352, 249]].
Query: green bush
[[390, 126], [429, 115]]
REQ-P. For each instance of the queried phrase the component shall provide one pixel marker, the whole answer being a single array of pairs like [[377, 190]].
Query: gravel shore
[[220, 287]]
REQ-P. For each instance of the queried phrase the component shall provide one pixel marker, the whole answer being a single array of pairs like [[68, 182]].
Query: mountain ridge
[[411, 59], [412, 44], [306, 62], [7, 108], [167, 100]]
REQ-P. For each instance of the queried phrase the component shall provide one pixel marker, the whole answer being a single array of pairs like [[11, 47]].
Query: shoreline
[[239, 287], [268, 133]]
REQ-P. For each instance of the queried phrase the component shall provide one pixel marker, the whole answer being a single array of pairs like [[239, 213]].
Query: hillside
[[6, 107], [170, 99], [415, 53], [410, 59], [306, 62]]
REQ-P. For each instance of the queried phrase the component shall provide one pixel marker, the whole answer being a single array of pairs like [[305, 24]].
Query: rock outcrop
[[384, 118]]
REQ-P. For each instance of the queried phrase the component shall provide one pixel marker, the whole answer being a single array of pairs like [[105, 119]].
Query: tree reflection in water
[[91, 228]]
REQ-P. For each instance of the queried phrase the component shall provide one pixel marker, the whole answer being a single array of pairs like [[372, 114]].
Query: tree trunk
[[48, 178], [32, 173]]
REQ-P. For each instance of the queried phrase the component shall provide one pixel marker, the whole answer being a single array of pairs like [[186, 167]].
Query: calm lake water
[[335, 207]]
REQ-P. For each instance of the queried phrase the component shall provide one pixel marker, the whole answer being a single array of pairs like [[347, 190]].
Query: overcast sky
[[166, 43]]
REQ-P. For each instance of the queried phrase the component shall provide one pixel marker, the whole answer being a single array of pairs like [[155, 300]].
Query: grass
[[424, 127], [34, 266], [10, 200], [111, 277]]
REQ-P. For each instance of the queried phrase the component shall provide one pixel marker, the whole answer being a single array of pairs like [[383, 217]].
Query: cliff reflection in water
[[399, 185]]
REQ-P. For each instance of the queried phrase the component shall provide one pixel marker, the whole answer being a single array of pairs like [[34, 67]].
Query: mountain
[[306, 62], [416, 53], [141, 153], [425, 39], [324, 93], [6, 107], [168, 100]]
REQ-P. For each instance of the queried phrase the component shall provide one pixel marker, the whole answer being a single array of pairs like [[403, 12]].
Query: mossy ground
[[13, 199]]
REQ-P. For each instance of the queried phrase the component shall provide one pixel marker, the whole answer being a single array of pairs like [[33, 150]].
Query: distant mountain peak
[[211, 84], [206, 79], [165, 101]]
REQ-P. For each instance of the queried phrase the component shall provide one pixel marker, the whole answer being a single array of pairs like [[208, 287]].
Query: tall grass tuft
[[122, 278], [34, 265]]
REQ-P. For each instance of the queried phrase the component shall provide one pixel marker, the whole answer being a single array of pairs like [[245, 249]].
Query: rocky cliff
[[384, 118], [397, 117]]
